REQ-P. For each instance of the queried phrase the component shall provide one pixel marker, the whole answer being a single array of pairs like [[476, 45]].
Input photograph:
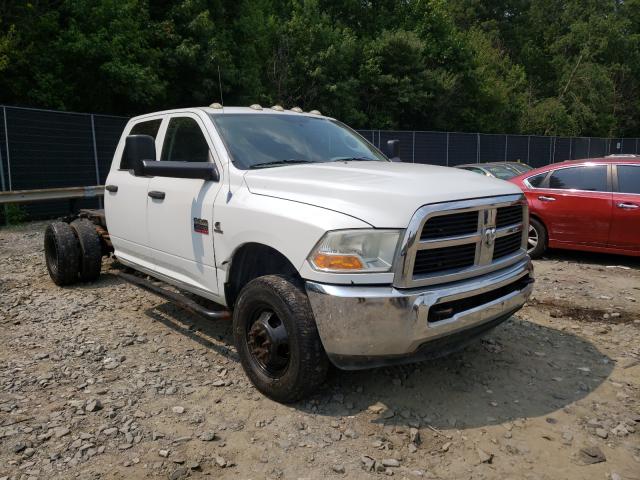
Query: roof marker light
[[315, 112], [277, 108], [256, 106], [297, 110], [216, 105]]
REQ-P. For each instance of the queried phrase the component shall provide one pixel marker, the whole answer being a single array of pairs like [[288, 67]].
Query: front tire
[[62, 253], [537, 239], [277, 339]]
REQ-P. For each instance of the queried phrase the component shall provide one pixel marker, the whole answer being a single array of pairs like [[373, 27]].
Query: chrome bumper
[[366, 326]]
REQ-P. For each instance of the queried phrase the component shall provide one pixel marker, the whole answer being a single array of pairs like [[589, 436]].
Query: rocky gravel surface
[[105, 380]]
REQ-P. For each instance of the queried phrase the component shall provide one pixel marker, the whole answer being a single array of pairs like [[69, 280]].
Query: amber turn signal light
[[337, 262]]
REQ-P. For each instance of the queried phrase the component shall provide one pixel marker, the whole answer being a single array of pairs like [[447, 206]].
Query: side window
[[184, 142], [629, 179], [149, 127], [591, 178], [536, 180]]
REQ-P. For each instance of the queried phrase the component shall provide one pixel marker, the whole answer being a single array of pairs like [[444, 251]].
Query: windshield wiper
[[354, 159], [290, 161]]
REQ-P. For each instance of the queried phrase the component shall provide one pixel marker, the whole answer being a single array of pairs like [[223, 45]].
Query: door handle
[[544, 198], [157, 195], [111, 188], [627, 206]]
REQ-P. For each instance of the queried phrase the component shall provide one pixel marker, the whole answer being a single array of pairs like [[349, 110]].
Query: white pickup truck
[[320, 248]]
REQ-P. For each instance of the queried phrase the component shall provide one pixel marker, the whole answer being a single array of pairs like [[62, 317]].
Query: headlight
[[356, 251]]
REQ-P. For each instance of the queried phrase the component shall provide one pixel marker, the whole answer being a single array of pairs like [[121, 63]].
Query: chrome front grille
[[457, 240]]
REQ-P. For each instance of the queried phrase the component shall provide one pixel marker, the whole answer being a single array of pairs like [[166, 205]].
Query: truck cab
[[320, 248]]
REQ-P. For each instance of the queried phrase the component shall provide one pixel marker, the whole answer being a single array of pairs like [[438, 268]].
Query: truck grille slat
[[507, 245], [447, 258], [508, 216], [450, 225]]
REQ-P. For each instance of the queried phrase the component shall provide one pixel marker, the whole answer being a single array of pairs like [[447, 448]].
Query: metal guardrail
[[45, 194]]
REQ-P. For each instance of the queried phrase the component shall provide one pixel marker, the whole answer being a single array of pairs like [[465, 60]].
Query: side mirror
[[137, 149], [166, 168], [393, 150]]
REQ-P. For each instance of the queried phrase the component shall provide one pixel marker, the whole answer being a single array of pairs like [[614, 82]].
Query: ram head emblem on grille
[[489, 236]]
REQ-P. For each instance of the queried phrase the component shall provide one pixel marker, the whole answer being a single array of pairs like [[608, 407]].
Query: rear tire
[[537, 240], [277, 339], [62, 253], [90, 249]]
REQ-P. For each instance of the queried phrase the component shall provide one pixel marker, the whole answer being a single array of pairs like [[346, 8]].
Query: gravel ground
[[107, 381]]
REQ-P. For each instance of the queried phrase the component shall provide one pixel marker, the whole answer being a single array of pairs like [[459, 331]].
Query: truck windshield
[[270, 140]]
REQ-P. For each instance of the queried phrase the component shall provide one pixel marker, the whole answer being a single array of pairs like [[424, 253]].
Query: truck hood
[[383, 194]]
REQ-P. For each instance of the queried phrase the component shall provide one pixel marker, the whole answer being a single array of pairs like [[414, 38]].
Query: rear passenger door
[[625, 224], [126, 201], [180, 210], [575, 203]]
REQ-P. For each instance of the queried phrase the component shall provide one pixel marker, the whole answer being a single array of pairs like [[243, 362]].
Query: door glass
[[628, 179], [536, 180], [184, 142], [143, 128], [591, 178]]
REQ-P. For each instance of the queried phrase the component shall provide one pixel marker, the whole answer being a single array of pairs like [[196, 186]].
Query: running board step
[[177, 298]]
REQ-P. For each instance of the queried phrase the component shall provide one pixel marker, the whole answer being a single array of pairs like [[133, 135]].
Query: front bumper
[[369, 326]]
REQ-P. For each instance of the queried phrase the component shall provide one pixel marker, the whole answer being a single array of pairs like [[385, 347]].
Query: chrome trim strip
[[448, 241], [484, 238]]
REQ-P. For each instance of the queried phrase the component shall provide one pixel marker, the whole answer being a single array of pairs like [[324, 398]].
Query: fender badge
[[201, 226]]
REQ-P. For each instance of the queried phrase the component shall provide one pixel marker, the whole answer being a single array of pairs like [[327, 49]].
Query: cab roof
[[233, 110]]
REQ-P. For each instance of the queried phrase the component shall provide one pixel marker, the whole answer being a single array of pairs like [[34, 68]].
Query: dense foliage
[[558, 67]]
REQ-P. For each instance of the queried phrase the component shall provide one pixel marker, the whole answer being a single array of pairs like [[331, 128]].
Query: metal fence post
[[528, 149], [2, 184], [636, 146], [413, 148], [95, 155], [506, 145], [570, 142], [447, 157], [6, 141], [588, 147], [477, 148]]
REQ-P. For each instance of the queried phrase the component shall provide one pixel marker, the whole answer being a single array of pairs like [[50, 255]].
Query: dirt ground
[[107, 381]]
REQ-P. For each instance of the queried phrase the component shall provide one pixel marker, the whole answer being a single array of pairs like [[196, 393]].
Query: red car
[[591, 204]]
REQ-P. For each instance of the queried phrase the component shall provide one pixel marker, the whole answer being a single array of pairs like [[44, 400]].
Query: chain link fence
[[49, 149]]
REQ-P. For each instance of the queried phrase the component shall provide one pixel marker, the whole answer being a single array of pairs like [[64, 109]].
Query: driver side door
[[180, 210]]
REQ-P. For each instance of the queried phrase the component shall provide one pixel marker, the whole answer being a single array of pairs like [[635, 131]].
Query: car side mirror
[[393, 150], [137, 149]]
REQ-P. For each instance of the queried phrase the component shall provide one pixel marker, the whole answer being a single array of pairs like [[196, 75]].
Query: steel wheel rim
[[532, 240], [268, 342]]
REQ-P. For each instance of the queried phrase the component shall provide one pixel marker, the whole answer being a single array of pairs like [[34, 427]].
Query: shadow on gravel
[[592, 258], [214, 335], [519, 370]]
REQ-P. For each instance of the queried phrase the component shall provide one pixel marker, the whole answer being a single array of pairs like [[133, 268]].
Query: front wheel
[[537, 240], [277, 339]]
